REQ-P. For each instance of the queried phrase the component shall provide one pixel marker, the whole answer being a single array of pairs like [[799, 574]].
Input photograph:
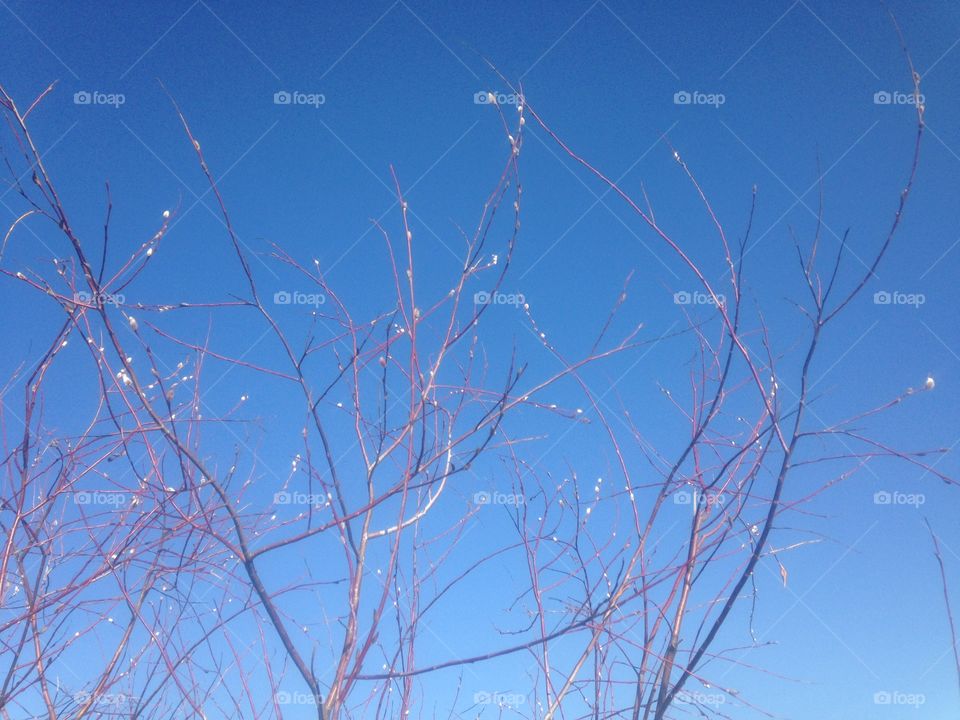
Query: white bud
[[133, 323]]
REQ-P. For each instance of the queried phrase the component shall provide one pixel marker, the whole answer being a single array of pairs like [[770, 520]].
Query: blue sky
[[862, 612]]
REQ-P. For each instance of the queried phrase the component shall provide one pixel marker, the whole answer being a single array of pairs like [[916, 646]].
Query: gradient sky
[[863, 611]]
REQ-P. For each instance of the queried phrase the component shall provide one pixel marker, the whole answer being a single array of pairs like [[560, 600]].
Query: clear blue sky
[[863, 610]]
